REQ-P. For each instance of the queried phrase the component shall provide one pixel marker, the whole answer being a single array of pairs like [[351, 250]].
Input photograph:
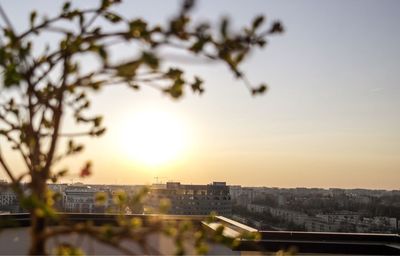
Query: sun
[[153, 137]]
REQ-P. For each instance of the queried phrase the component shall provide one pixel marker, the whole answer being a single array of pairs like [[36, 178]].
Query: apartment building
[[82, 199], [191, 199]]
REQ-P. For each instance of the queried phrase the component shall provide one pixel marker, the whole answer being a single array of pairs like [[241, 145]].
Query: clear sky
[[330, 119]]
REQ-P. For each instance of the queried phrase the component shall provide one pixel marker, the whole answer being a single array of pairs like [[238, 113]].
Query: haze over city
[[331, 116]]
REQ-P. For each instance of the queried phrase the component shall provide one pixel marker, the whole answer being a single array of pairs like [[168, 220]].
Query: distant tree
[[41, 85]]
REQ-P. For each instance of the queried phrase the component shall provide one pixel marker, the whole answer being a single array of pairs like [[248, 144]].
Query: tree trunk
[[38, 242], [38, 221]]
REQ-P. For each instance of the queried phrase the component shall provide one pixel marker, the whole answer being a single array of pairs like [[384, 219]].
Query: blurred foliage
[[68, 250], [41, 85]]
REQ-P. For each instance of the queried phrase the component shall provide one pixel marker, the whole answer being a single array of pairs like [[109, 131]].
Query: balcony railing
[[271, 241]]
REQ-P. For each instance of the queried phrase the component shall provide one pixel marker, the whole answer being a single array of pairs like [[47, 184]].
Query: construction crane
[[158, 180]]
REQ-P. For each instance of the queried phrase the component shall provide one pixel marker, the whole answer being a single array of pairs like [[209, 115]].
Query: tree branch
[[7, 169], [20, 150], [5, 18], [57, 114]]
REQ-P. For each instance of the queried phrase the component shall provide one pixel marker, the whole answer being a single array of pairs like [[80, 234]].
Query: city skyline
[[330, 118]]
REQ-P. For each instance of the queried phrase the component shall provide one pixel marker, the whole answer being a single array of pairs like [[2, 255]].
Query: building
[[8, 199], [191, 199], [80, 198], [340, 217], [241, 195], [235, 191], [318, 225], [297, 218]]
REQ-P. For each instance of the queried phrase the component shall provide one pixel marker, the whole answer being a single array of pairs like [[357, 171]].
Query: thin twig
[[5, 18]]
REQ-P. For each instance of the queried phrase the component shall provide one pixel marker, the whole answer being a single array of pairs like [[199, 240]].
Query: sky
[[331, 117]]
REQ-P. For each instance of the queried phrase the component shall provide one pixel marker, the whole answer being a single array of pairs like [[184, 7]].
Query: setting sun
[[153, 137]]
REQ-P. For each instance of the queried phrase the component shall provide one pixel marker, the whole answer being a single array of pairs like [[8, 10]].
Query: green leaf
[[112, 17], [105, 4], [136, 223], [176, 90], [32, 18], [47, 123], [134, 86], [198, 46], [137, 28], [97, 121], [150, 60], [107, 232], [103, 53], [202, 248], [276, 28], [259, 90], [66, 249], [78, 148], [173, 73], [224, 27], [98, 132], [66, 6], [239, 58], [120, 197], [164, 205], [73, 148], [258, 21], [29, 202], [101, 198], [62, 173], [128, 69], [261, 42], [11, 76], [3, 56], [197, 85]]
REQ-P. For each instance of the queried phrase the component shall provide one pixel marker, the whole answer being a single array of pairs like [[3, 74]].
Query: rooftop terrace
[[14, 238]]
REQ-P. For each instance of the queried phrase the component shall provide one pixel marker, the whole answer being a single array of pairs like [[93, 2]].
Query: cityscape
[[267, 127], [264, 208]]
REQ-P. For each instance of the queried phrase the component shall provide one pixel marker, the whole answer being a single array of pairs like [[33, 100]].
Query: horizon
[[227, 184]]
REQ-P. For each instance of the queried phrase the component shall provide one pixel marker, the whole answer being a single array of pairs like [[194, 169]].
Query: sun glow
[[153, 137]]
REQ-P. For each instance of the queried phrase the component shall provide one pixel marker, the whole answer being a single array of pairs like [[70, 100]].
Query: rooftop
[[15, 237]]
